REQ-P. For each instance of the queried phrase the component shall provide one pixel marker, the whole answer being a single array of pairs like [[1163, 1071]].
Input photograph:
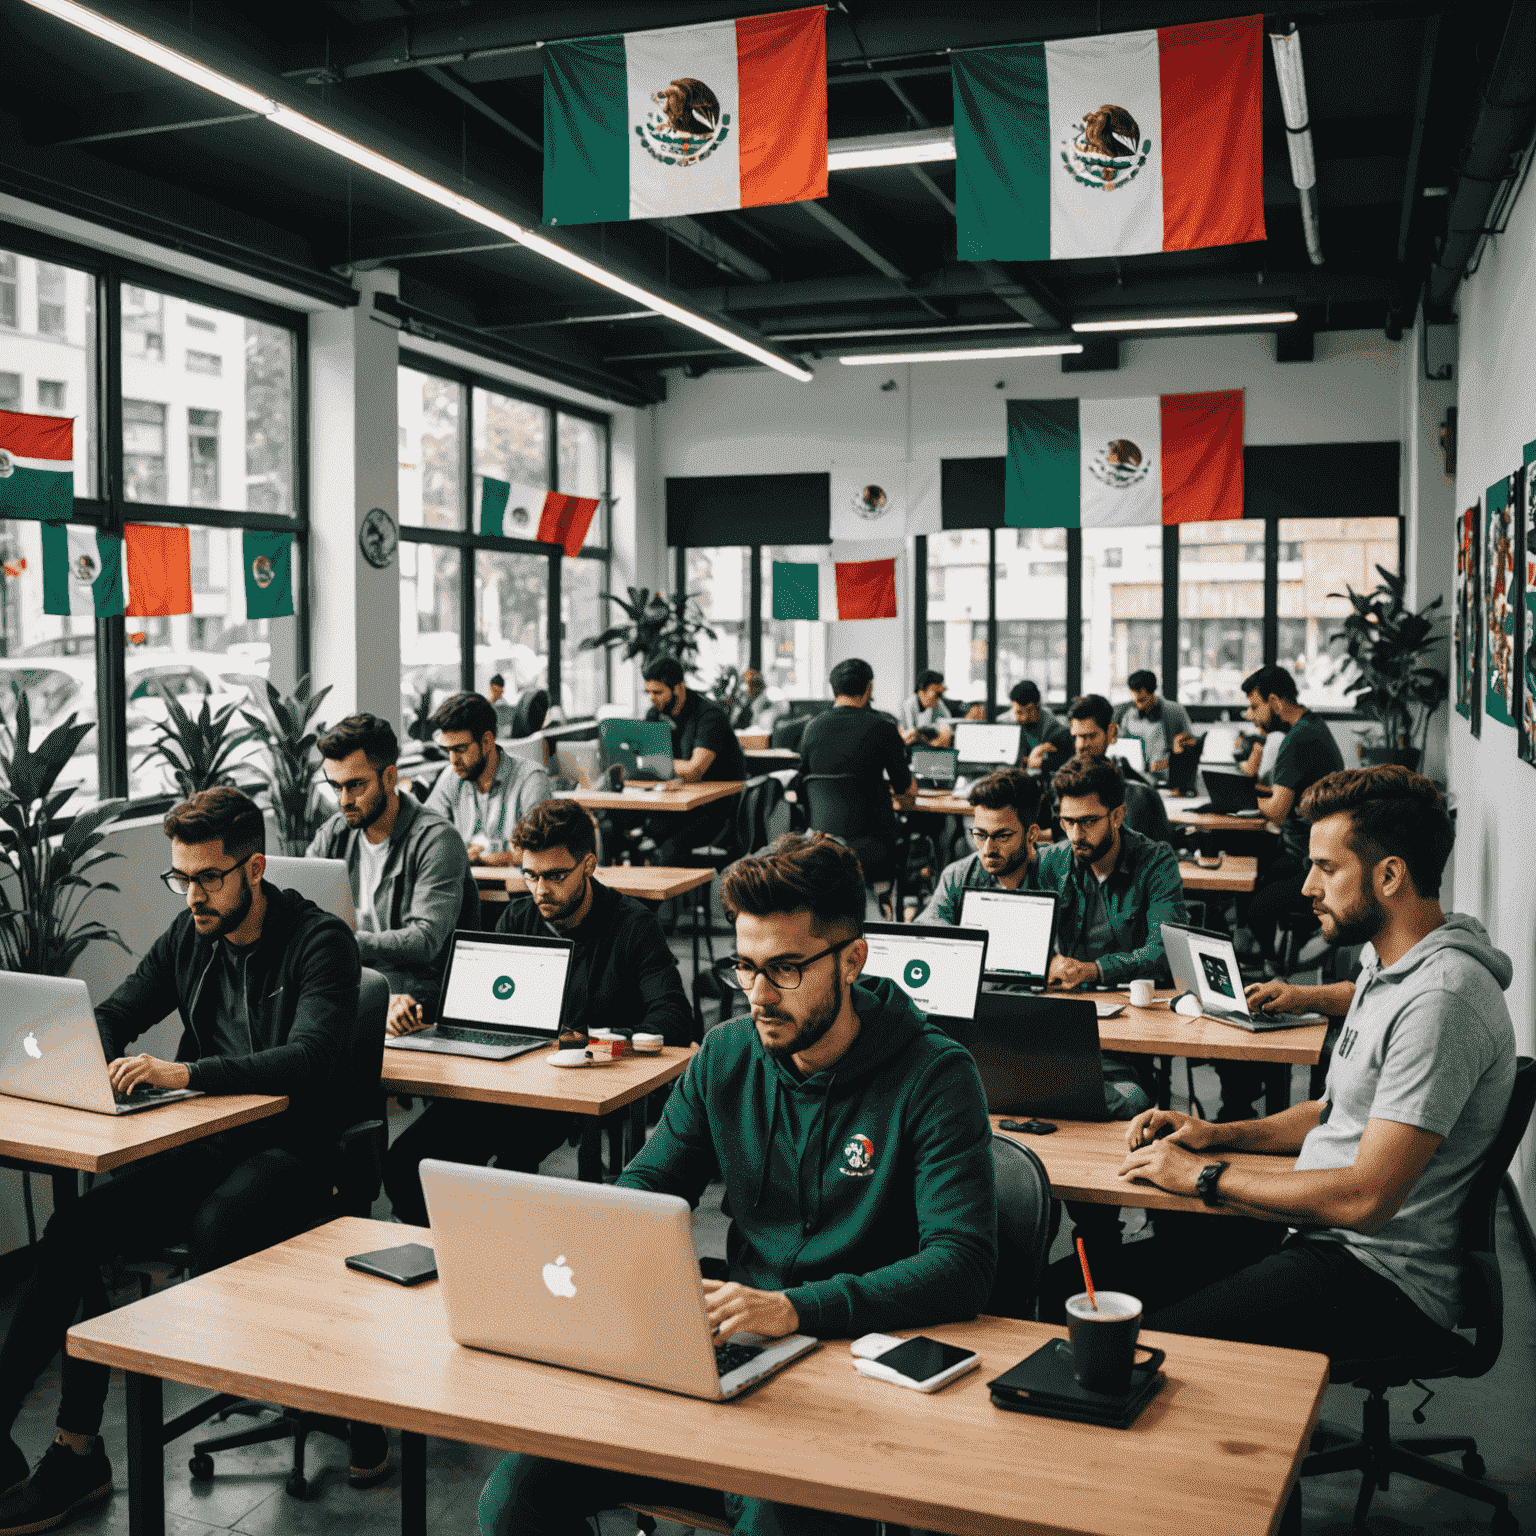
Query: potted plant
[[199, 752], [658, 626], [40, 927], [1395, 688], [729, 691], [283, 725]]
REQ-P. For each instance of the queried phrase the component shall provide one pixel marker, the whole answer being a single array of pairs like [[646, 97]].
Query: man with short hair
[[1047, 743], [1091, 721], [623, 976], [506, 714], [408, 868], [922, 716], [856, 1152], [1161, 725], [485, 791], [1416, 1092], [1004, 831], [265, 985]]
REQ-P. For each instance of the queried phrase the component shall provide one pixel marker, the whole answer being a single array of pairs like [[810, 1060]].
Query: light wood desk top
[[529, 1082], [645, 882], [1159, 1031], [752, 741], [295, 1326], [689, 798], [52, 1136], [936, 802], [1212, 821], [1236, 872], [1083, 1160], [767, 759]]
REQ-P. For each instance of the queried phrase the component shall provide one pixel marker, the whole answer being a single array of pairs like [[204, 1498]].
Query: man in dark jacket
[[265, 985], [623, 976], [856, 1151]]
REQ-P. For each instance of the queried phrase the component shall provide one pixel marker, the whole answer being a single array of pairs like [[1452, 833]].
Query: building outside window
[[1122, 585], [50, 396], [51, 313], [8, 274], [202, 457], [1031, 610], [144, 467]]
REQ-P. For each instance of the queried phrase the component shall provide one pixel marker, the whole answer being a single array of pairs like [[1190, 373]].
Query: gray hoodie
[[1427, 1042]]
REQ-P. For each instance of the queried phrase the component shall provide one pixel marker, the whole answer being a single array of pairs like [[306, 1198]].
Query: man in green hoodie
[[856, 1152]]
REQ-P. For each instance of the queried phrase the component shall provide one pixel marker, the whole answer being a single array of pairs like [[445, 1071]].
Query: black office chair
[[841, 803], [1027, 1216], [1374, 1452], [785, 736], [529, 713]]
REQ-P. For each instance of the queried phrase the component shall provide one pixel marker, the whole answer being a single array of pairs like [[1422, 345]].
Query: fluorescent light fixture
[[872, 359], [916, 147], [402, 176], [1185, 322]]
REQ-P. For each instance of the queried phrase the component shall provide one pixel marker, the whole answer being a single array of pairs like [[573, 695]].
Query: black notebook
[[409, 1264], [1043, 1384]]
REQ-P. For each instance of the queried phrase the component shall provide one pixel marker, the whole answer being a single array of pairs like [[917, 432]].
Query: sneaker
[[62, 1484], [13, 1466], [369, 1457]]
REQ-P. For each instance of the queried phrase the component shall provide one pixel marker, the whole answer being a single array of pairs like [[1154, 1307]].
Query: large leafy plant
[[42, 895], [200, 751], [285, 726], [657, 626]]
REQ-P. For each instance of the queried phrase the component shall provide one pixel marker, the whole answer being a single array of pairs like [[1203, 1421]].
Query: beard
[[1091, 853], [229, 921], [812, 1028], [557, 912], [1358, 924], [468, 768], [1008, 866], [366, 816]]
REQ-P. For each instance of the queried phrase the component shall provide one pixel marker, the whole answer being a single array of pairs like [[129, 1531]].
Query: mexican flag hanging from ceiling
[[1111, 146], [37, 467], [645, 125]]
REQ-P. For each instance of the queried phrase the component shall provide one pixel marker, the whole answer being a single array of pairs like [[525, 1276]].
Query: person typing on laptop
[[1045, 739], [922, 716], [622, 976], [1163, 726], [265, 985], [1004, 831], [855, 1147]]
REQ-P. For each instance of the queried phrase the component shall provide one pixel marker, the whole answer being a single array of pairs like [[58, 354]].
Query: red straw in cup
[[1082, 1258]]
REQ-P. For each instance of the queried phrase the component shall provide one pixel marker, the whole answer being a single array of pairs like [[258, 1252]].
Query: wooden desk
[[1236, 872], [1211, 821], [294, 1325], [1083, 1160], [937, 803], [1159, 1031], [689, 798], [771, 759], [752, 741], [645, 882]]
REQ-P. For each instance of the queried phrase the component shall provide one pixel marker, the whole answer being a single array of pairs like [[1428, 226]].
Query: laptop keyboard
[[144, 1095], [490, 1037], [729, 1356]]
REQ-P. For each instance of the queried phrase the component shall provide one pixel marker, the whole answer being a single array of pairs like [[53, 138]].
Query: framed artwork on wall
[[1466, 624], [1527, 677], [1500, 537]]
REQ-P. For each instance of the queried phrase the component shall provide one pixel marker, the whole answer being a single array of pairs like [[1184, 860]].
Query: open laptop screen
[[1019, 924], [939, 968], [1131, 750], [1217, 977], [987, 746], [506, 981], [934, 765]]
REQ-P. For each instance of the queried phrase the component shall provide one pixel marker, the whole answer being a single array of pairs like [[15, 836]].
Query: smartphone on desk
[[922, 1364]]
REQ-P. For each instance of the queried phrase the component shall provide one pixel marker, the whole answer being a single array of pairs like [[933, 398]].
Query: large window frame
[[110, 509]]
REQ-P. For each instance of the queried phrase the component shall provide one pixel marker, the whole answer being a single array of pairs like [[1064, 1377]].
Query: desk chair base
[[292, 1424]]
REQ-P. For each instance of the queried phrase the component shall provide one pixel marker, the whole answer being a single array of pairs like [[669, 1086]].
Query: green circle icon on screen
[[503, 988], [916, 973]]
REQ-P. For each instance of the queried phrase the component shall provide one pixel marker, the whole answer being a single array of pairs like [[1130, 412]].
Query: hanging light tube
[[872, 359], [1286, 47], [1185, 322]]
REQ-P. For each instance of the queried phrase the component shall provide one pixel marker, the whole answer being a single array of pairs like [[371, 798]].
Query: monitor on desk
[[642, 748], [935, 767], [939, 968], [984, 748]]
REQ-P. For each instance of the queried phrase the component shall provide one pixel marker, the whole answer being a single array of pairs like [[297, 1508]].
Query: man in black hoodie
[[266, 985], [623, 976]]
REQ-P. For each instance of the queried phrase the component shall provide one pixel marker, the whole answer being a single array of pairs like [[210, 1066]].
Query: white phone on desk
[[923, 1364]]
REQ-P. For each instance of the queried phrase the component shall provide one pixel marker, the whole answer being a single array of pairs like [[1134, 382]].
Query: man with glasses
[[856, 1152], [1004, 832], [1094, 731], [484, 791], [623, 976], [264, 985]]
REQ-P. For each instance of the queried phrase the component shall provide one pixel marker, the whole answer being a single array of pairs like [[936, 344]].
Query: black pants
[[678, 835], [223, 1204], [459, 1131]]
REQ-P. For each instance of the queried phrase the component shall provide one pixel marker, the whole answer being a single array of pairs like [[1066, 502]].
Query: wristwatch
[[1205, 1185]]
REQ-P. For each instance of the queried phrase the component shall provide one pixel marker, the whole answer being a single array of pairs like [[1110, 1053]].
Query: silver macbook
[[585, 1276], [503, 994], [1205, 964], [50, 1050], [322, 881]]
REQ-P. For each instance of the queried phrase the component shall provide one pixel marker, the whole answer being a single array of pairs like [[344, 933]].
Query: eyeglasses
[[549, 876], [210, 880], [783, 975], [1085, 822], [978, 836]]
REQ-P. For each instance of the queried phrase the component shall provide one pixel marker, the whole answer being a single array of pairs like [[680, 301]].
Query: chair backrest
[[787, 733], [1024, 1218], [759, 799], [839, 803], [530, 712], [363, 1140], [469, 907]]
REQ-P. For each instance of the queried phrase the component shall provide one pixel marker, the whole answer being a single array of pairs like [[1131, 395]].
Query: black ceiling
[[456, 90]]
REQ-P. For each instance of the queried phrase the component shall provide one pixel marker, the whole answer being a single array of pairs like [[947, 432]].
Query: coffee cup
[[1141, 994], [647, 1045], [1104, 1341]]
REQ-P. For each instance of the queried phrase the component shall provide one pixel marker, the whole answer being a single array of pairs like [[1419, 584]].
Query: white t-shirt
[[371, 859]]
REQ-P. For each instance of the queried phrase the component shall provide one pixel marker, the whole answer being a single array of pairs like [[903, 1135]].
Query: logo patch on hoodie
[[858, 1157]]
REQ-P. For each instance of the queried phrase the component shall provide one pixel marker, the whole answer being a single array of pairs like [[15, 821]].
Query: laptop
[[582, 763], [1020, 928], [1231, 794], [983, 748], [322, 881], [1184, 767], [1132, 751], [1205, 963], [938, 967], [585, 1276], [503, 995], [935, 767], [50, 1050], [643, 748]]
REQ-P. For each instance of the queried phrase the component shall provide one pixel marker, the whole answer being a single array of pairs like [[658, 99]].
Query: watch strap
[[1205, 1185]]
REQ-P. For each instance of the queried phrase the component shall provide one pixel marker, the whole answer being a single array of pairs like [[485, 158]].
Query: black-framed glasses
[[1087, 823], [211, 880], [783, 975], [1006, 835]]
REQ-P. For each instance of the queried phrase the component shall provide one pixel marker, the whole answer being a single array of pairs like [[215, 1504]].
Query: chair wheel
[[1473, 1465], [201, 1468], [1505, 1524], [296, 1486]]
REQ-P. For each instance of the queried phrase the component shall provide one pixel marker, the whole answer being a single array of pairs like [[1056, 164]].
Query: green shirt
[[1308, 753], [967, 874]]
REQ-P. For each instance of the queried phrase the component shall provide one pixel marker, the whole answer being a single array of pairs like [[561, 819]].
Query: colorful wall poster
[[1500, 538], [1528, 611], [1466, 631]]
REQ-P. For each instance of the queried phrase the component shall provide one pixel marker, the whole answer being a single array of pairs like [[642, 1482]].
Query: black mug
[[1104, 1341], [616, 777]]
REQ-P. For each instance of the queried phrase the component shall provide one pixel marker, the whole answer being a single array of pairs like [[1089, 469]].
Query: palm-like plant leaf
[[284, 727], [199, 752]]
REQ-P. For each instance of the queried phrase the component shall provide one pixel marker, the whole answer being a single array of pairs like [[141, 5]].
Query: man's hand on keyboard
[[405, 1016], [1275, 997], [130, 1072], [733, 1309]]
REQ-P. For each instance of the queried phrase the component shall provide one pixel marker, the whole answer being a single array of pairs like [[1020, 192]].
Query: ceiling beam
[[854, 240], [368, 255], [1026, 296], [717, 252], [451, 83], [131, 115]]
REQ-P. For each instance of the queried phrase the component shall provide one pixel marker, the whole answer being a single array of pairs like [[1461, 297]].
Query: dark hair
[[1280, 681], [497, 681], [365, 733], [556, 824], [1144, 681], [1095, 707], [1394, 813], [1008, 789], [928, 679], [667, 670], [801, 872], [465, 712], [225, 815], [850, 678], [1087, 776], [1025, 692]]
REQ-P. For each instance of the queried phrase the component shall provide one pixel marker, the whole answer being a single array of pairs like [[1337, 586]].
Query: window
[[51, 313], [50, 395], [204, 362], [8, 290], [795, 650], [201, 322], [957, 617], [583, 674], [512, 444], [1221, 609], [202, 457], [10, 391], [431, 665], [511, 620], [144, 476], [431, 413], [583, 470], [1031, 610], [720, 582], [1122, 606], [143, 325]]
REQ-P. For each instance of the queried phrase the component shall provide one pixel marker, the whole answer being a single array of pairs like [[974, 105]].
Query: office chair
[[1374, 1452], [787, 733], [840, 803], [530, 712], [1026, 1217]]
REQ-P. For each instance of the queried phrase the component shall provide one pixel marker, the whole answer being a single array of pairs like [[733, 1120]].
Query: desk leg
[[413, 1484], [1162, 1081], [146, 1458], [66, 1187]]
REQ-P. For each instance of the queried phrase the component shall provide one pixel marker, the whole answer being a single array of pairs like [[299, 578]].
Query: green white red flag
[[37, 466]]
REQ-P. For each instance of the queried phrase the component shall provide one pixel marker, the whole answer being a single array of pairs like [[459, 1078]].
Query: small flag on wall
[[82, 571], [1111, 146], [37, 467], [796, 590], [1124, 463], [493, 505], [159, 564], [866, 589], [875, 500], [268, 574], [565, 520], [562, 519], [1527, 671]]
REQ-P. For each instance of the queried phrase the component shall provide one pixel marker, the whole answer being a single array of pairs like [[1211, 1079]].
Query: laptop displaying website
[[1205, 964], [935, 767], [1130, 750], [939, 968], [1020, 927], [985, 748]]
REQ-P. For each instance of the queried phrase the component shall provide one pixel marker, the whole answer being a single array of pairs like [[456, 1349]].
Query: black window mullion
[[991, 622], [111, 687], [755, 610], [920, 604], [1170, 666], [1271, 590], [556, 628], [468, 618], [1074, 613]]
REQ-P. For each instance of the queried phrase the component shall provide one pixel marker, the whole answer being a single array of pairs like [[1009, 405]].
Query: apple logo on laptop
[[557, 1278], [31, 1047]]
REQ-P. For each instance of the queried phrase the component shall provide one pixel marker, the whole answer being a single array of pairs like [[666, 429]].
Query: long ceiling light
[[871, 359], [402, 176], [916, 147], [1292, 79], [1186, 322]]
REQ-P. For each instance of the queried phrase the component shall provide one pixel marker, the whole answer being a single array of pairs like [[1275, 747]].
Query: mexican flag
[[37, 467], [82, 571], [268, 559], [1123, 463], [834, 589], [1111, 146], [561, 519], [644, 125]]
